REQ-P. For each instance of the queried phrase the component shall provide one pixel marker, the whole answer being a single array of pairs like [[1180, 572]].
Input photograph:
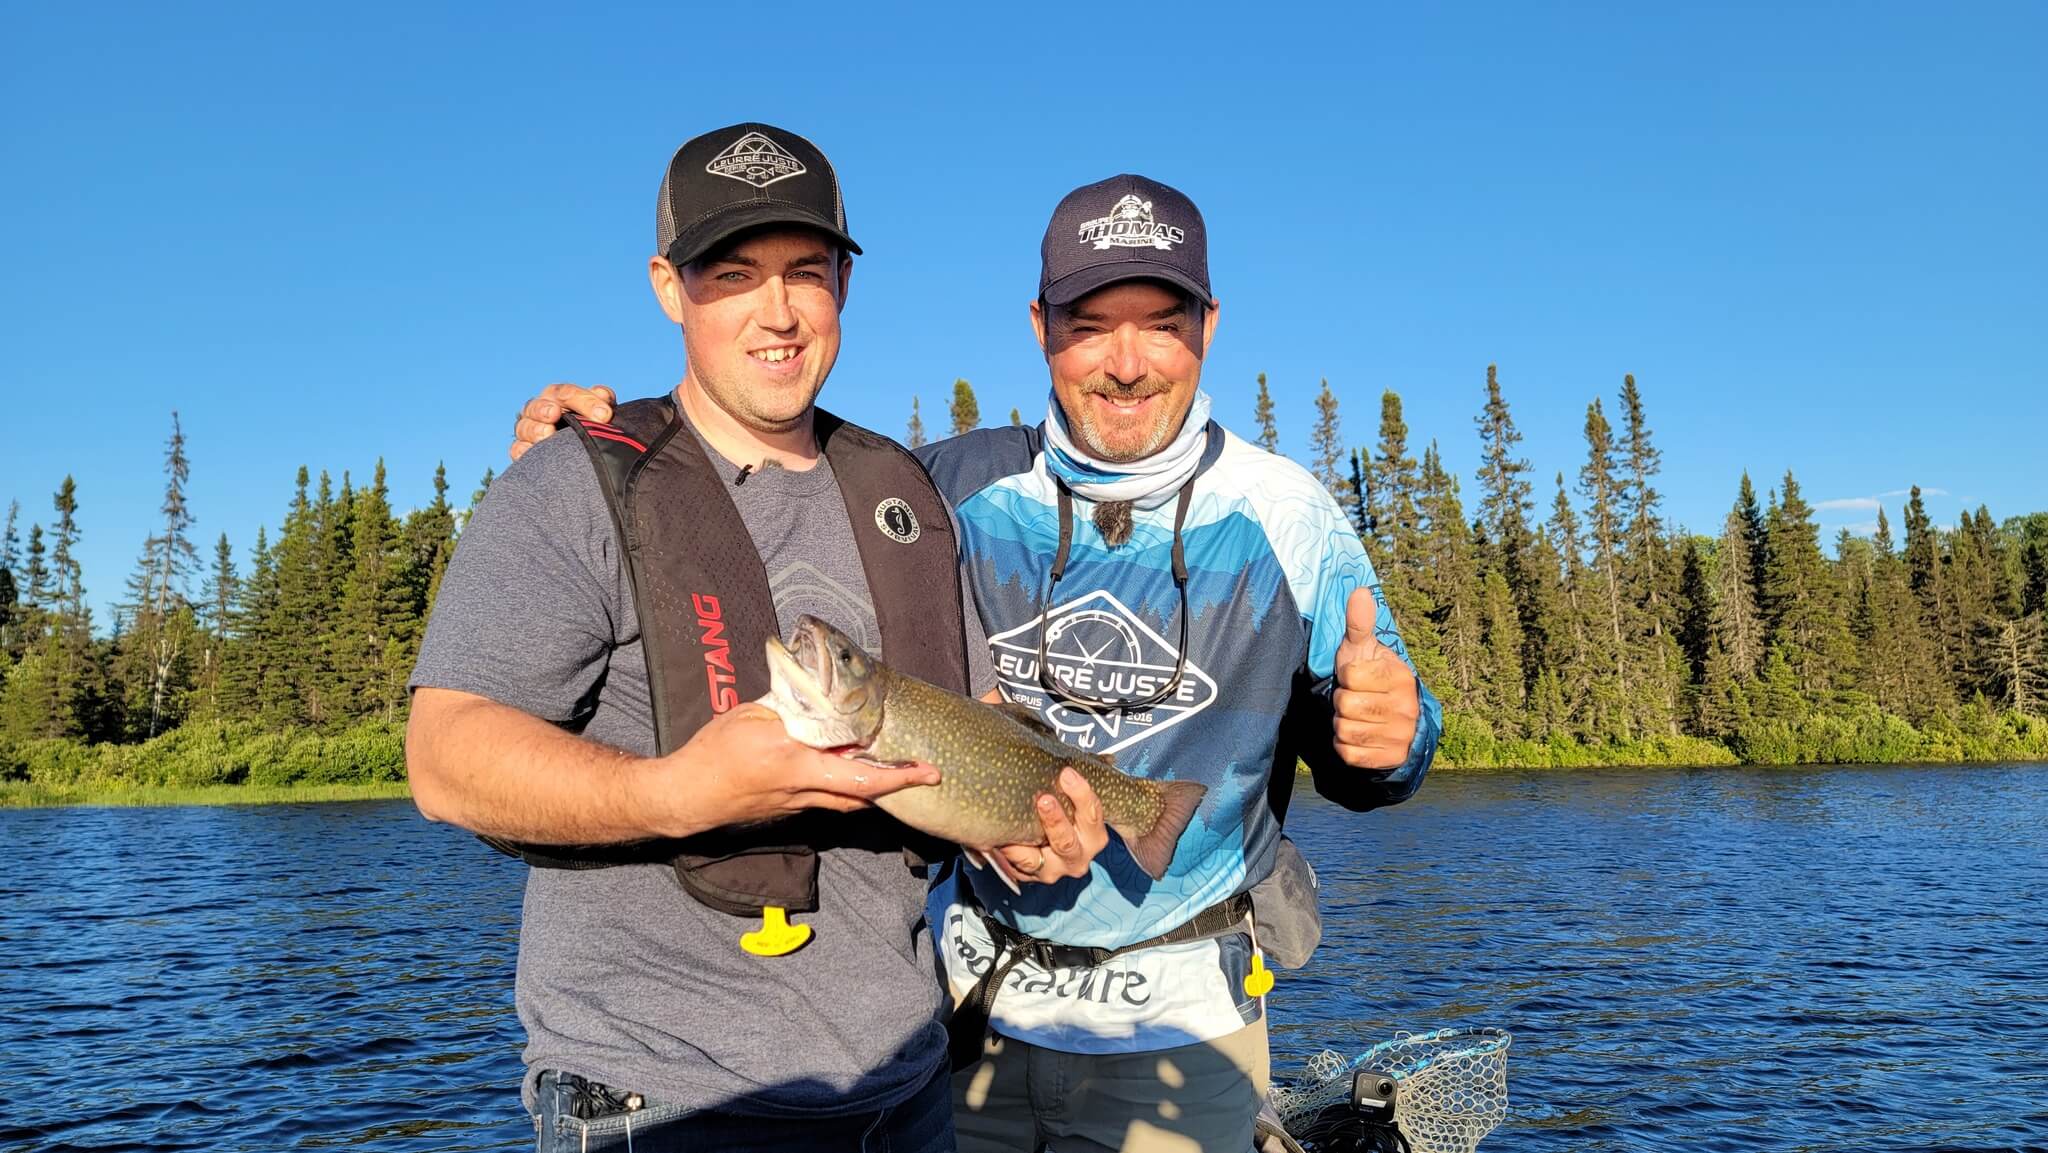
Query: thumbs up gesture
[[1376, 702]]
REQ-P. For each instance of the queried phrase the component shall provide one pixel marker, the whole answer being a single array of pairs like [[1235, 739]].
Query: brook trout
[[993, 760]]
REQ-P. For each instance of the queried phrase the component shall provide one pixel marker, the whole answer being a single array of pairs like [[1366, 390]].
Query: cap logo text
[[1130, 225], [757, 160]]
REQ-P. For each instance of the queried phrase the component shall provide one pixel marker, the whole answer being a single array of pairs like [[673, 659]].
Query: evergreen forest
[[1559, 617]]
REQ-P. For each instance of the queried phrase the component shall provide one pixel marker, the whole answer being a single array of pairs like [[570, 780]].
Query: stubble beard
[[1165, 425], [742, 404]]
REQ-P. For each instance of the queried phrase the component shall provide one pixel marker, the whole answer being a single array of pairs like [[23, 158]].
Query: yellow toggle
[[1258, 982], [777, 937]]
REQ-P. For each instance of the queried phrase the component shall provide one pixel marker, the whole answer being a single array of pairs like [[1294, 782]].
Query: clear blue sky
[[331, 234]]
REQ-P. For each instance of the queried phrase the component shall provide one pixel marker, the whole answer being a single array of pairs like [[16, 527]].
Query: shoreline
[[29, 795]]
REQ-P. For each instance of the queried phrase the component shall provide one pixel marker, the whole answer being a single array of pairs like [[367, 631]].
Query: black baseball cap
[[723, 183], [1123, 228]]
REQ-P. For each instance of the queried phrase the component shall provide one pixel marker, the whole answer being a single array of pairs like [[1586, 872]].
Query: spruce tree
[[1759, 550], [483, 486], [1695, 611], [223, 594], [1571, 648], [78, 690], [915, 436], [295, 668], [1326, 452], [1501, 662], [1449, 583], [67, 577], [1262, 412], [427, 541], [1982, 598], [1503, 484], [1639, 501], [1365, 513], [1597, 485], [1799, 597], [1543, 615], [965, 410], [368, 610], [248, 678], [33, 706], [1738, 622], [1901, 667], [1923, 556], [1393, 475], [425, 545], [1504, 509], [2034, 588], [35, 581], [1721, 708]]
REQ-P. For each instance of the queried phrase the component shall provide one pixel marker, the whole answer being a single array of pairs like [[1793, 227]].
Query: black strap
[[967, 1029], [1066, 506]]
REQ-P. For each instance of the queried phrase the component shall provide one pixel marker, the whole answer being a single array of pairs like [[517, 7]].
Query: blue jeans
[[921, 1124]]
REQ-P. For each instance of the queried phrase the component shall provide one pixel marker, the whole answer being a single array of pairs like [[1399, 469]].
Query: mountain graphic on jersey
[[1095, 647]]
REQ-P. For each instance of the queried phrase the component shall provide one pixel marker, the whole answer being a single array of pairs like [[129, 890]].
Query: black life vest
[[706, 614]]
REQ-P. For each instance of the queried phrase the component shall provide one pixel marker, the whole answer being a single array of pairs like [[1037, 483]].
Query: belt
[[968, 1028]]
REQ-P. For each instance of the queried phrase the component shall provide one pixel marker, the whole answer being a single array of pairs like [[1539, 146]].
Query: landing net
[[1451, 1089]]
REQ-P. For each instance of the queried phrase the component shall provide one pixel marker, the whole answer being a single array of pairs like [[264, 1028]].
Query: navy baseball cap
[[1123, 228], [747, 176]]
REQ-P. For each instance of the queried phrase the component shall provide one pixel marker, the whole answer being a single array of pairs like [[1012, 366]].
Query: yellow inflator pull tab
[[1258, 982], [777, 937]]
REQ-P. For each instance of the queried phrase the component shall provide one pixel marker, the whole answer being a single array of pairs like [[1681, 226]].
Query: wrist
[[649, 787]]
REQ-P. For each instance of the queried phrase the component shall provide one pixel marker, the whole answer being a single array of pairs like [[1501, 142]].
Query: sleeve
[[528, 609], [1342, 568]]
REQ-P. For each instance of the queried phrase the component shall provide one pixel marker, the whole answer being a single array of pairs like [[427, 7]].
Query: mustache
[[1100, 384]]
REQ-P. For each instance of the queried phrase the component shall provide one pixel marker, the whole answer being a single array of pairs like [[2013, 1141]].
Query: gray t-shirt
[[623, 978]]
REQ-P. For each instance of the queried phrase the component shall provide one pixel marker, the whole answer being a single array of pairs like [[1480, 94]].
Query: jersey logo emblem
[[1105, 650]]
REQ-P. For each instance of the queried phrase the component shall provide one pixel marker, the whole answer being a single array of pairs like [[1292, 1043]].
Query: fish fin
[[1027, 716], [1153, 848], [993, 862]]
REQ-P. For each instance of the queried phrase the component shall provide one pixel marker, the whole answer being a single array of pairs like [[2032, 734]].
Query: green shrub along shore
[[200, 763], [239, 763]]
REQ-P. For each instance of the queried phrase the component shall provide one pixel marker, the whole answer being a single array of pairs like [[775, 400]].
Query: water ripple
[[1715, 960]]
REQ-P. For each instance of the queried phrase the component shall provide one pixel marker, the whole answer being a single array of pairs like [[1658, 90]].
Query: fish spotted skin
[[993, 762]]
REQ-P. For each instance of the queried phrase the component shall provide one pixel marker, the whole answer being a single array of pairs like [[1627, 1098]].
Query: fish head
[[827, 689]]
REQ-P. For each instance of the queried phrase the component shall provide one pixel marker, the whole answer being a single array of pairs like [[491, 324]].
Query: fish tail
[[1153, 848]]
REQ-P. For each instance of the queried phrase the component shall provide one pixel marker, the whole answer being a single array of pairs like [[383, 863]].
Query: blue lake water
[[1699, 960]]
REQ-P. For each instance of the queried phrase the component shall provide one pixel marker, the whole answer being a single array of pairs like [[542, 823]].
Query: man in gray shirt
[[533, 722]]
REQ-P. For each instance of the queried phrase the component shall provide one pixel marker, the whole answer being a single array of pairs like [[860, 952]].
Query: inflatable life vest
[[706, 614]]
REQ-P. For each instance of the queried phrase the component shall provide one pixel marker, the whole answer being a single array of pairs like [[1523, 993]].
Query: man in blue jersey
[[1158, 589]]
